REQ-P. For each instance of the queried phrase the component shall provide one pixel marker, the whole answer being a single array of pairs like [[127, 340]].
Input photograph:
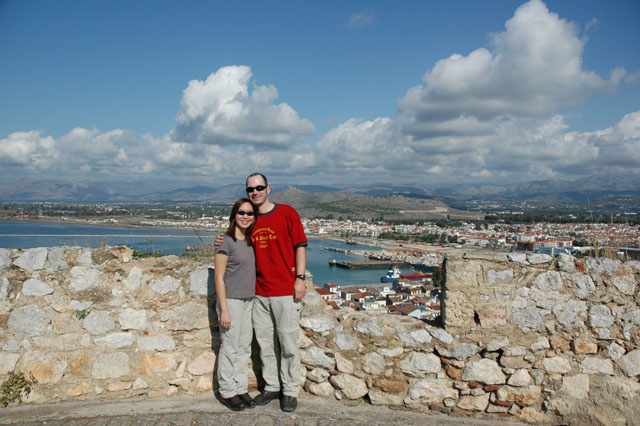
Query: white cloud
[[27, 150], [222, 111], [361, 19], [533, 69]]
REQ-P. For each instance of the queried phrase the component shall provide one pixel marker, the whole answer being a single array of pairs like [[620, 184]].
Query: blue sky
[[170, 94]]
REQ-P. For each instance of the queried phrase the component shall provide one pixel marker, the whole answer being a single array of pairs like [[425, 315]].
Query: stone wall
[[539, 339]]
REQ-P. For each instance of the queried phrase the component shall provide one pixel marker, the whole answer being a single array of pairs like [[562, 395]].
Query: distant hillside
[[597, 192], [360, 206], [602, 192], [53, 190]]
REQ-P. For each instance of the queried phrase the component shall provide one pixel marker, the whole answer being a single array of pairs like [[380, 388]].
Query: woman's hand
[[225, 319]]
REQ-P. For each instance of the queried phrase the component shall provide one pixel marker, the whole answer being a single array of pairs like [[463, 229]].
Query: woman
[[235, 274]]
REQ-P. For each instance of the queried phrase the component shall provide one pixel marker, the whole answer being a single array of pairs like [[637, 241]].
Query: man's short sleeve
[[298, 236]]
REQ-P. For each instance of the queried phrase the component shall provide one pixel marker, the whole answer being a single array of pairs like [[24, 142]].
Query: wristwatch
[[302, 277]]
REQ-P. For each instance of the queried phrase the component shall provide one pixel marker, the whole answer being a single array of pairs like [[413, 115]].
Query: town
[[404, 297]]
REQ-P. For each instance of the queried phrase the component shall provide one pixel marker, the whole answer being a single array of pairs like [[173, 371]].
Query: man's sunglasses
[[258, 188], [242, 213]]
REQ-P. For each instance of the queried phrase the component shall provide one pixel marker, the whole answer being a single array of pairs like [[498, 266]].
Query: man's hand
[[219, 239], [299, 290]]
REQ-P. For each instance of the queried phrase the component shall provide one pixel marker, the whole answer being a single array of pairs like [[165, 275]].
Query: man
[[280, 247]]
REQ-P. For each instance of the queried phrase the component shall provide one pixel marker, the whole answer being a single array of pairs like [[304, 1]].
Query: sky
[[164, 94]]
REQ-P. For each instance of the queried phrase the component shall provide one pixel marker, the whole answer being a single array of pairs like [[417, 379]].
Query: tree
[[437, 277]]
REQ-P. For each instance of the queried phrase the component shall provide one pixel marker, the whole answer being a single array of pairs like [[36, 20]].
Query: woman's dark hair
[[231, 230]]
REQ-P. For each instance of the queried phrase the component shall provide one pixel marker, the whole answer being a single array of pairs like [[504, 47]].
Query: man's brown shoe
[[266, 397], [288, 403]]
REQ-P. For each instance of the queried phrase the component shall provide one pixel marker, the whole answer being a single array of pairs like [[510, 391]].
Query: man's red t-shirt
[[275, 238]]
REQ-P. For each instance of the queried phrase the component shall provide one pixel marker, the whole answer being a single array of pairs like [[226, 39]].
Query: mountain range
[[624, 193]]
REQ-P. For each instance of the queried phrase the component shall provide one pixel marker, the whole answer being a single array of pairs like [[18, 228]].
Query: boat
[[393, 275], [417, 276], [422, 267], [333, 262], [352, 242]]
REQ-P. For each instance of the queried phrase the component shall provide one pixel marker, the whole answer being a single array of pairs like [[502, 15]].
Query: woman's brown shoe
[[234, 403]]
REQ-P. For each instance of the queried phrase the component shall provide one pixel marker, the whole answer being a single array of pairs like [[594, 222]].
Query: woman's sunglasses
[[242, 213]]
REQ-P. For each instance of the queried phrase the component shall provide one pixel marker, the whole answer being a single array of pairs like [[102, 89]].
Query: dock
[[377, 264]]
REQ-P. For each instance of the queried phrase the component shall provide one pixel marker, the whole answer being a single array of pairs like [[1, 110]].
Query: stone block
[[199, 282], [110, 365], [418, 364], [378, 397], [432, 391], [133, 279], [413, 338], [32, 260], [556, 365], [33, 287], [459, 310], [164, 285], [156, 363], [346, 342], [84, 278], [319, 323], [316, 357], [202, 364], [188, 317], [350, 386], [390, 386], [98, 322], [8, 362], [484, 371], [116, 340], [600, 316], [492, 316], [323, 389], [576, 387], [133, 319], [584, 346], [374, 364], [5, 258], [498, 277], [474, 403], [160, 342], [28, 321], [343, 364], [119, 387], [78, 364], [630, 363]]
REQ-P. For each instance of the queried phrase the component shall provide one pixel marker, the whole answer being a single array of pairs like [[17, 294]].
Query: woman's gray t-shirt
[[240, 275]]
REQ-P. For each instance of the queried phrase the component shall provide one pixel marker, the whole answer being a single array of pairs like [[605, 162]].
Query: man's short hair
[[264, 178]]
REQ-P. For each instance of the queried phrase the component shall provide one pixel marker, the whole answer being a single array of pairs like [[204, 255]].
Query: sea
[[26, 235]]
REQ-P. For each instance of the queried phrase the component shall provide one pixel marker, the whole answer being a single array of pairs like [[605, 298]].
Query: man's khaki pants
[[276, 325]]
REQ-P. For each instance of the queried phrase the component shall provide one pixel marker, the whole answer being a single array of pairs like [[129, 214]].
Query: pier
[[377, 264]]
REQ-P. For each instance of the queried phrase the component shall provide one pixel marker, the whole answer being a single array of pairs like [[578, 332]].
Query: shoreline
[[134, 226], [381, 245]]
